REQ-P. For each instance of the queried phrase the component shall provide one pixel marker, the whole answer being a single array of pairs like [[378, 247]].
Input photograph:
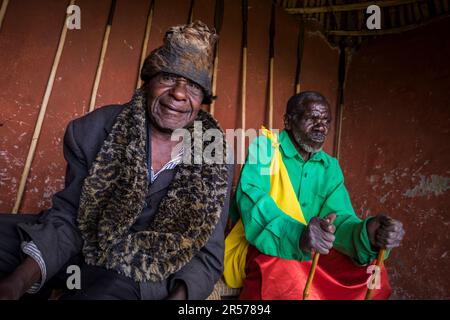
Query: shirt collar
[[290, 151]]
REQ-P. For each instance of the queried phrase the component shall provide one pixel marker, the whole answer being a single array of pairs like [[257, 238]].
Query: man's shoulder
[[101, 117], [328, 160], [90, 130]]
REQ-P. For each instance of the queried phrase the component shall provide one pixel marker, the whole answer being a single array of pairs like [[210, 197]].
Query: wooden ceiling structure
[[345, 20]]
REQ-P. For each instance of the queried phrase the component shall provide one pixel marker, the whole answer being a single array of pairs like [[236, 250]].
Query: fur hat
[[187, 51]]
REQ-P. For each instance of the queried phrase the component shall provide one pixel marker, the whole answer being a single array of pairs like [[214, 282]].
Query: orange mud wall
[[395, 150], [375, 150]]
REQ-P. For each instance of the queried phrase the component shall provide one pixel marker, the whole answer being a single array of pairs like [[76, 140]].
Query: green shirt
[[319, 185]]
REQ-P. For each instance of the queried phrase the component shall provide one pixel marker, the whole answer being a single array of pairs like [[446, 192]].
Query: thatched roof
[[346, 19]]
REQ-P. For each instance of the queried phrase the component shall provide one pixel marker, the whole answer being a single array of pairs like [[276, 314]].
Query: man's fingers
[[329, 218], [391, 227], [330, 228], [388, 243], [329, 237], [326, 223], [393, 245], [382, 234], [326, 244], [323, 251]]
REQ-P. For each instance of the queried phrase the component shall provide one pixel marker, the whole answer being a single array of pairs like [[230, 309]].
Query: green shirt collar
[[290, 151]]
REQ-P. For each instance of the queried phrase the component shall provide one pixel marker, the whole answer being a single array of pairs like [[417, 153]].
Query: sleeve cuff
[[290, 245], [30, 249], [364, 237], [188, 286]]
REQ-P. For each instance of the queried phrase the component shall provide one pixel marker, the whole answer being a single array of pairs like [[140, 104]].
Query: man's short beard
[[305, 146]]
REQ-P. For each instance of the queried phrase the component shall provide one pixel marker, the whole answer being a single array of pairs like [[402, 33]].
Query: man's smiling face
[[173, 102]]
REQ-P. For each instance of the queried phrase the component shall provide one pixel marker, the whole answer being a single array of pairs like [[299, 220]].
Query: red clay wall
[[395, 150], [28, 42]]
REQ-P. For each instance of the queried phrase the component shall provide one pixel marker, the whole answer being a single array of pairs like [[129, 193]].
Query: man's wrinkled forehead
[[316, 109]]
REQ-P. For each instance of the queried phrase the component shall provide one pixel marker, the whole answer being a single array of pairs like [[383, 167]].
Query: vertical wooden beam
[[191, 12], [244, 73], [402, 15], [322, 15], [417, 13], [3, 11], [392, 17], [218, 20], [437, 7], [41, 115], [300, 45], [98, 73], [340, 100], [445, 4], [271, 63], [148, 29], [409, 11]]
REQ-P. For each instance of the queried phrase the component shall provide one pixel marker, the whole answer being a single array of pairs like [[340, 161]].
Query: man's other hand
[[10, 288], [20, 280], [385, 232], [319, 235], [179, 292]]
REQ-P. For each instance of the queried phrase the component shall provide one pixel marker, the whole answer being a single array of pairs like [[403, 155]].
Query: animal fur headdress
[[187, 51]]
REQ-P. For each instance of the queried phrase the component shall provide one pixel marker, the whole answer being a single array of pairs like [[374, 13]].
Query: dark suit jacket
[[57, 236]]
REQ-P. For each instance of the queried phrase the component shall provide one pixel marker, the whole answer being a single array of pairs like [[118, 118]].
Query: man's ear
[[287, 121]]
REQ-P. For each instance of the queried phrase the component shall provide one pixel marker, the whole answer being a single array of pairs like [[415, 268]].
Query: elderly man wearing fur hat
[[136, 220]]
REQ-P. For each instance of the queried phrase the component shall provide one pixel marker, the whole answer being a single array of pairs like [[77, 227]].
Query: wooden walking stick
[[98, 73], [244, 72], [148, 28], [312, 271], [271, 62], [329, 219], [41, 115], [218, 19], [3, 11], [379, 264]]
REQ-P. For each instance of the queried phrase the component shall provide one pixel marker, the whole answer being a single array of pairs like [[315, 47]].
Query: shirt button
[[304, 204], [306, 174]]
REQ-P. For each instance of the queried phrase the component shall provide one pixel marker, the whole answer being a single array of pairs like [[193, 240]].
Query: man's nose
[[321, 127], [178, 91]]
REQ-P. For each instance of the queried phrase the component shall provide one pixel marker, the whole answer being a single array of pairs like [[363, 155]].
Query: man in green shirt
[[318, 183]]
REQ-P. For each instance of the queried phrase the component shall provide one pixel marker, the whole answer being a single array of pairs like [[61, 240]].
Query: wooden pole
[[340, 101], [98, 73], [379, 264], [3, 11], [148, 29], [300, 42], [191, 12], [312, 271], [218, 20], [271, 63], [41, 115], [244, 73]]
